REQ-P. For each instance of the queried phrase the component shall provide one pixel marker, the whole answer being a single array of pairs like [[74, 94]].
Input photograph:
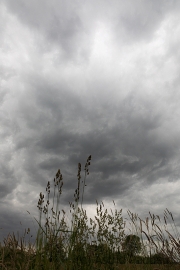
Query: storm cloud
[[87, 78]]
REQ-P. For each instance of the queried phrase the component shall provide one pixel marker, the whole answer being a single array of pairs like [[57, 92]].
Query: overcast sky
[[80, 78]]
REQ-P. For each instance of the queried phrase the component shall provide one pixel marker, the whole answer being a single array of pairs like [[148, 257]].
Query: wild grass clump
[[86, 243]]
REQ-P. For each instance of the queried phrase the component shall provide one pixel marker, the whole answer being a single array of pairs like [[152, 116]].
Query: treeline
[[102, 254]]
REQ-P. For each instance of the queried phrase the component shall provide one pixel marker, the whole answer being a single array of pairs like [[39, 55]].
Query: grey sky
[[89, 77]]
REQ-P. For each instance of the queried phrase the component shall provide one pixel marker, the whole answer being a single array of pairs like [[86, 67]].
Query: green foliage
[[132, 245], [78, 255]]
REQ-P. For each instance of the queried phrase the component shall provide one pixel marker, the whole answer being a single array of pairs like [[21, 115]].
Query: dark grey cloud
[[71, 87]]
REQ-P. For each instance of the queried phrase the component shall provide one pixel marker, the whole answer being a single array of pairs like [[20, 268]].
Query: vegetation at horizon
[[89, 244]]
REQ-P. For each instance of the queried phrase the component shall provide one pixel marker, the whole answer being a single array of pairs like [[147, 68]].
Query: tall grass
[[91, 244]]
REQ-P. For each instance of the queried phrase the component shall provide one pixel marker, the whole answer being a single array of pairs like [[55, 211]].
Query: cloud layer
[[80, 78]]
